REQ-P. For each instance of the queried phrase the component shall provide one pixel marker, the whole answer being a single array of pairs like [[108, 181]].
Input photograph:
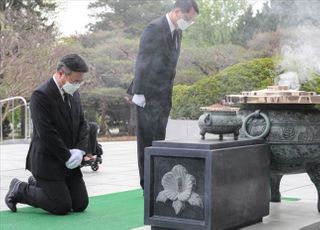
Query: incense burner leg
[[275, 187]]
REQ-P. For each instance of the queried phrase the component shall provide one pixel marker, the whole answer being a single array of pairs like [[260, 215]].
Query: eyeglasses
[[75, 78], [187, 18]]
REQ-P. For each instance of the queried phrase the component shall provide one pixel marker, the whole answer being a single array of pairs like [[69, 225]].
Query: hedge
[[251, 75]]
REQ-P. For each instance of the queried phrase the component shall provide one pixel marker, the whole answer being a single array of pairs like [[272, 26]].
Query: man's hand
[[75, 158], [139, 100]]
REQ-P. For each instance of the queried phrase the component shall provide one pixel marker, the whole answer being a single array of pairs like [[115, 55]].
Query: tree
[[112, 55], [296, 12], [196, 63], [26, 44], [267, 43], [275, 15], [250, 25], [25, 56], [35, 7], [25, 47], [130, 15], [215, 23]]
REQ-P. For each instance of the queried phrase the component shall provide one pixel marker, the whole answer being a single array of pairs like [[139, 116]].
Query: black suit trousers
[[92, 140], [57, 197], [151, 125]]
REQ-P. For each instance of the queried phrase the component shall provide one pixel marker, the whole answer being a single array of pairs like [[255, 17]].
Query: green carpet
[[290, 199], [118, 211]]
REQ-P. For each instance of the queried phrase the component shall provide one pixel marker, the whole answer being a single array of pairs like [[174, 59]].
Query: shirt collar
[[172, 27], [60, 89]]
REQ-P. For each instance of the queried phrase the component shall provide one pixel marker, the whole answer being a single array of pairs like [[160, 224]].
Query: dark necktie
[[176, 38], [66, 100]]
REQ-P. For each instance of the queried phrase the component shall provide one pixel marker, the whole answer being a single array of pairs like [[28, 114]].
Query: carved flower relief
[[288, 133], [178, 188]]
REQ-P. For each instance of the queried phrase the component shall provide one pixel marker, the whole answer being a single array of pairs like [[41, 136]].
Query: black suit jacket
[[56, 129], [156, 62]]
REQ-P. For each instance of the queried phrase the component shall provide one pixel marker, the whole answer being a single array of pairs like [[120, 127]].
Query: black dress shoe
[[32, 181], [11, 197]]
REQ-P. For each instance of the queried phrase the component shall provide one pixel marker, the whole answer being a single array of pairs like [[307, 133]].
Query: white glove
[[139, 100], [75, 158]]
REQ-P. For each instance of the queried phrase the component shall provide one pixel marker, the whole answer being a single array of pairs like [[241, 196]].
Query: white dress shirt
[[172, 27], [60, 90]]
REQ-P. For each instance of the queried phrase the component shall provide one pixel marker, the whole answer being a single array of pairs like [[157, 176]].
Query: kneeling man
[[59, 141]]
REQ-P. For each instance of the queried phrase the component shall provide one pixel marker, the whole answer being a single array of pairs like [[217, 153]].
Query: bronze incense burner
[[288, 120]]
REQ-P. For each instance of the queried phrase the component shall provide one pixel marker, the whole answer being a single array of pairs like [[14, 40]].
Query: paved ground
[[119, 172]]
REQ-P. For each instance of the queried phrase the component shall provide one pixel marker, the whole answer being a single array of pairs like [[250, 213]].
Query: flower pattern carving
[[178, 187]]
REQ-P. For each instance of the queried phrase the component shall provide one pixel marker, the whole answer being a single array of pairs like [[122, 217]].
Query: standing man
[[154, 74], [59, 141]]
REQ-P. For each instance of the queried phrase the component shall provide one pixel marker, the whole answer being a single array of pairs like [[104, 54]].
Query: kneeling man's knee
[[80, 207], [61, 209]]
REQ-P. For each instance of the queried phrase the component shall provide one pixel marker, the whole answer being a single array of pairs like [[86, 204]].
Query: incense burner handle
[[253, 115]]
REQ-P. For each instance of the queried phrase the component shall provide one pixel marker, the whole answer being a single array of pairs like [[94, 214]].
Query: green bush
[[108, 107], [196, 63], [251, 75], [312, 85]]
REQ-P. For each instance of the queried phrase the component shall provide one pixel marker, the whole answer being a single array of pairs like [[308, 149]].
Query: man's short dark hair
[[186, 5], [73, 62]]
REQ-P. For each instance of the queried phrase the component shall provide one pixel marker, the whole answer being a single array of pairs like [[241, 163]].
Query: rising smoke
[[300, 45]]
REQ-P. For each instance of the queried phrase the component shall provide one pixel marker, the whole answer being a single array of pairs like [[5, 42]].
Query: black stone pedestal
[[206, 184]]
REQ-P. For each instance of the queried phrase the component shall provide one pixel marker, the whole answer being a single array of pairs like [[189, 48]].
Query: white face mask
[[183, 24], [70, 88]]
